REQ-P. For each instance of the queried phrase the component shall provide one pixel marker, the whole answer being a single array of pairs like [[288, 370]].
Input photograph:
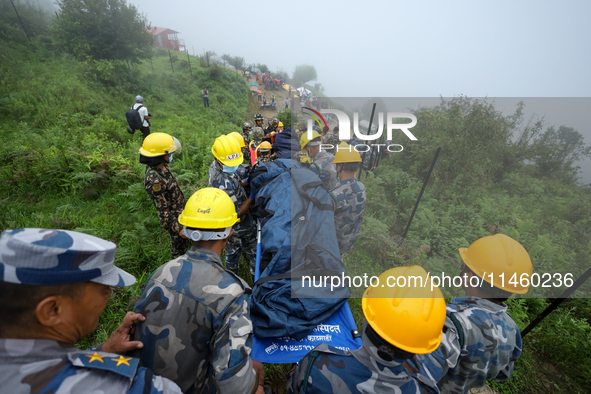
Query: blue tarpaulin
[[339, 331], [298, 238]]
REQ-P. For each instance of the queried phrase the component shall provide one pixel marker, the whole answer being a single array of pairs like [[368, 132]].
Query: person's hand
[[120, 341], [260, 372]]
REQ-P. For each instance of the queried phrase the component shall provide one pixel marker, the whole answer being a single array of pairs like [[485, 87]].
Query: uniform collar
[[199, 253], [481, 303], [348, 181]]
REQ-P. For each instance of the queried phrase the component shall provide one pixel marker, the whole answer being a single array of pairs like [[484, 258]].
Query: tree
[[263, 67], [103, 30], [303, 73], [556, 151]]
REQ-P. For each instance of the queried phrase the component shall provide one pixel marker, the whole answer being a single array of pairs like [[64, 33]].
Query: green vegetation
[[68, 163]]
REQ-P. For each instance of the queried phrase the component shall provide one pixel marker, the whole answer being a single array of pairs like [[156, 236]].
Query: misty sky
[[401, 49], [409, 49]]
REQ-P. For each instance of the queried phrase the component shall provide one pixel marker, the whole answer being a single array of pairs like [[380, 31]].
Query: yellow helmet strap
[[199, 235]]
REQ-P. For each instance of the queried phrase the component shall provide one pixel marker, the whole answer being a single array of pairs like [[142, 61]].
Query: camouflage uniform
[[437, 363], [350, 197], [243, 239], [245, 150], [45, 365], [492, 344], [169, 201], [257, 139], [331, 138], [197, 330], [356, 371], [327, 171]]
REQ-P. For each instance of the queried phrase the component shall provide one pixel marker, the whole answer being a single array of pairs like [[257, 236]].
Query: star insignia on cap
[[122, 360], [95, 357]]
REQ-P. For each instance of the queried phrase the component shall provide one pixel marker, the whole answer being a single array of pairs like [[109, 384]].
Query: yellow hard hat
[[238, 138], [158, 144], [209, 208], [499, 254], [410, 317], [346, 153], [305, 141], [280, 124], [264, 145], [227, 151]]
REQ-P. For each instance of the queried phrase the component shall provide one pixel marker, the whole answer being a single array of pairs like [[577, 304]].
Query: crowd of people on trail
[[191, 329]]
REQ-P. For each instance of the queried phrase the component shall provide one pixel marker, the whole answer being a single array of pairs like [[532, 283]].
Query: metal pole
[[21, 21], [189, 59], [207, 53], [170, 56], [373, 110], [421, 193], [566, 294]]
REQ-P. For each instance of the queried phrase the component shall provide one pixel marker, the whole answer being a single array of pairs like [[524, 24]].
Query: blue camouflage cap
[[37, 256], [139, 99]]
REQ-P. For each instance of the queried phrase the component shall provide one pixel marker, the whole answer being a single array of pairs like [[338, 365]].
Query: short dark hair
[[18, 301], [492, 291], [350, 166]]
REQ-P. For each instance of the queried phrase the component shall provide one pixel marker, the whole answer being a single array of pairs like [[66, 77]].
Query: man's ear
[[49, 311]]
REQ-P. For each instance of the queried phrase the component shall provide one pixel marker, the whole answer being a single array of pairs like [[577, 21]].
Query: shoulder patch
[[121, 365], [156, 187]]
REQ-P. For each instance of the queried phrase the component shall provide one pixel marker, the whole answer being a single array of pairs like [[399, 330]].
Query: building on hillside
[[167, 38]]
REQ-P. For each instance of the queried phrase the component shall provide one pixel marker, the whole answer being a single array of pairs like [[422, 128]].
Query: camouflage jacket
[[492, 344], [230, 183], [327, 171], [331, 138], [166, 195], [246, 150], [198, 329], [437, 363], [48, 366], [355, 371], [350, 197]]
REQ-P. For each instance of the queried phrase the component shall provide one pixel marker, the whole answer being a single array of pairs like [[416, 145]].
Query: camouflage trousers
[[243, 240], [178, 244]]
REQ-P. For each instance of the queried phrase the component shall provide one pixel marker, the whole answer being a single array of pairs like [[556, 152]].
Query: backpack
[[134, 119]]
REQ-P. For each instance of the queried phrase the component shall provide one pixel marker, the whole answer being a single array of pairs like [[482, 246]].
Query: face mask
[[230, 170], [250, 133], [170, 159]]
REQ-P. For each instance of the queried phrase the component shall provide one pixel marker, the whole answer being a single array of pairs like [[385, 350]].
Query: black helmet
[[258, 117]]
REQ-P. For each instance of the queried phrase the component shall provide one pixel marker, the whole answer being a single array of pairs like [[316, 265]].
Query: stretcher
[[339, 330]]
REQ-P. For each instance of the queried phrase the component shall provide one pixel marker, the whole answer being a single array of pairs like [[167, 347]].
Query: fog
[[403, 49]]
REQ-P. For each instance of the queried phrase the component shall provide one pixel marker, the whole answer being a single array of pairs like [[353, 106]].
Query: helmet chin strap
[[199, 235]]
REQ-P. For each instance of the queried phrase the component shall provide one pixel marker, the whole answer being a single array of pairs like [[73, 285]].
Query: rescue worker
[[264, 152], [489, 338], [156, 152], [400, 323], [331, 138], [54, 285], [246, 132], [197, 323], [257, 138], [279, 127], [258, 120], [273, 123], [322, 159], [223, 175], [349, 195]]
